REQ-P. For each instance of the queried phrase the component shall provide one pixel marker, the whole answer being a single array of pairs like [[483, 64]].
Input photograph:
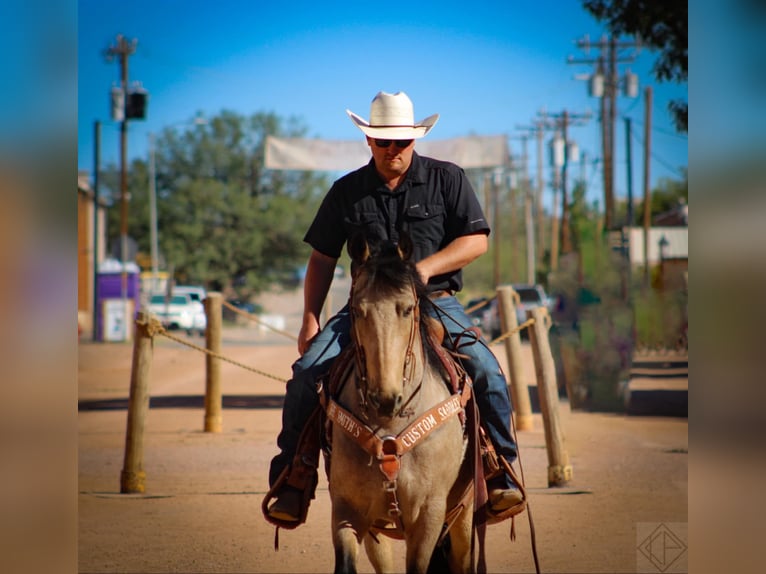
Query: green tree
[[661, 26], [224, 220], [667, 195]]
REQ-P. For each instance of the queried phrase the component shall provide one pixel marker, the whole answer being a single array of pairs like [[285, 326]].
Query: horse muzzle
[[385, 404]]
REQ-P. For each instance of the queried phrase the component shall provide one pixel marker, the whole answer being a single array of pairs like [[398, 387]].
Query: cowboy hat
[[392, 117]]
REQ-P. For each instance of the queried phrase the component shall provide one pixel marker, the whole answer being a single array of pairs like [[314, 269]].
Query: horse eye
[[407, 311]]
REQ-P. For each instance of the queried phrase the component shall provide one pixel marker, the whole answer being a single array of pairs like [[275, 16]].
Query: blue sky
[[486, 70]]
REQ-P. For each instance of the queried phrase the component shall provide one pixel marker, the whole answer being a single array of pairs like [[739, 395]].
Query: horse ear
[[404, 246], [358, 248]]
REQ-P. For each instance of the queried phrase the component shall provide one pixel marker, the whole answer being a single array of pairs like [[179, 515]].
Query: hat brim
[[394, 132]]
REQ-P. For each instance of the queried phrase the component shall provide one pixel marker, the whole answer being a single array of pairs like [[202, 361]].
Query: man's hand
[[309, 330], [456, 255]]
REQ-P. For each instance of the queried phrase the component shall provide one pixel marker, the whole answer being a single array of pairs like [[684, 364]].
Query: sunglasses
[[401, 144]]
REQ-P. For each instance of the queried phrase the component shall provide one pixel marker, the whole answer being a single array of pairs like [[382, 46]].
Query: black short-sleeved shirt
[[435, 204]]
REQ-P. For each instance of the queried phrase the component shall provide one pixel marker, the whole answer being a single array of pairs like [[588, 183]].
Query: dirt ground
[[625, 509]]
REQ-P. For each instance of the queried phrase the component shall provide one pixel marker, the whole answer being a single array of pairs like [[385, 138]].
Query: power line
[[664, 131], [657, 158]]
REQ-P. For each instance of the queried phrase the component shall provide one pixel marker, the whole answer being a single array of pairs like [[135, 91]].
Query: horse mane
[[390, 273]]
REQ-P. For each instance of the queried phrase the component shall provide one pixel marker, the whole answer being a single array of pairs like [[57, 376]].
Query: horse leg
[[422, 539], [380, 553], [346, 547], [345, 539], [460, 543]]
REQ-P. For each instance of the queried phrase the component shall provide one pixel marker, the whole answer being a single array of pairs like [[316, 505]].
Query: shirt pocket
[[425, 224]]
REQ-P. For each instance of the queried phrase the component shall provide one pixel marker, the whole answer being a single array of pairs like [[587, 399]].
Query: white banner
[[328, 155]]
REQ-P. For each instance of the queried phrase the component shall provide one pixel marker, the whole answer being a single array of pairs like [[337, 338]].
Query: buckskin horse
[[398, 448]]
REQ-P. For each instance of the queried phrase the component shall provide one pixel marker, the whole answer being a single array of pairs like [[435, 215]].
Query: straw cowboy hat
[[392, 117]]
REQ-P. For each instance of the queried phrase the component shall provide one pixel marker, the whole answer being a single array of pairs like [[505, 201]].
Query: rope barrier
[[479, 305], [257, 320], [504, 336], [154, 327]]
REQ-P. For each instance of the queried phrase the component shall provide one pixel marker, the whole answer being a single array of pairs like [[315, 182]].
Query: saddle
[[302, 473]]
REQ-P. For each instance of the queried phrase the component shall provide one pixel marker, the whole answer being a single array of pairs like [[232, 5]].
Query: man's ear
[[358, 248], [404, 246]]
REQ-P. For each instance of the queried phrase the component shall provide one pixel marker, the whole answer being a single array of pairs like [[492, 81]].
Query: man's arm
[[456, 255], [319, 275]]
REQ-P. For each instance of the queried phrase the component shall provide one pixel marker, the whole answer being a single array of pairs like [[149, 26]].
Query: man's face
[[391, 159]]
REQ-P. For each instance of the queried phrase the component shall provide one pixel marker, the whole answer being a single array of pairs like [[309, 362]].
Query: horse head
[[385, 309]]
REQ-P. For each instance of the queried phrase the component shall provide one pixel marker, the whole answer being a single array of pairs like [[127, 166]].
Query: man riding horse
[[433, 202]]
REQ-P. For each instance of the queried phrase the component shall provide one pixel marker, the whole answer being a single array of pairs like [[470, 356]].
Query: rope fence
[[148, 326], [257, 319], [154, 327]]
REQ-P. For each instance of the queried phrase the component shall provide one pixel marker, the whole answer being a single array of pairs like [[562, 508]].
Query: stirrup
[[307, 494]]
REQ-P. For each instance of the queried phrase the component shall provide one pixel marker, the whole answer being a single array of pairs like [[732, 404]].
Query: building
[[91, 249]]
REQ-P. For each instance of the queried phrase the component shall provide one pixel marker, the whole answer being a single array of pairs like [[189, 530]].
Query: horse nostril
[[399, 400], [373, 399]]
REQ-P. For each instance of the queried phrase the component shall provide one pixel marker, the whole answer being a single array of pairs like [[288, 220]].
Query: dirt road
[[201, 510]]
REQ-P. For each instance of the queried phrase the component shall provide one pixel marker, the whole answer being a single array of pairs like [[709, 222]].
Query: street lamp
[[663, 245], [153, 233]]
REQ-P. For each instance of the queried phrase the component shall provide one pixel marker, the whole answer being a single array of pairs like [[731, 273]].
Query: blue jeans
[[490, 387]]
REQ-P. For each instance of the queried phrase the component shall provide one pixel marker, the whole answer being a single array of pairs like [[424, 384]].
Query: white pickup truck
[[179, 312]]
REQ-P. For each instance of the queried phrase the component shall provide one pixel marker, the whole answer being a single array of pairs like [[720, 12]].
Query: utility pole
[[524, 184], [96, 200], [647, 188], [539, 198], [562, 121], [497, 176], [603, 84], [528, 222], [154, 250], [537, 218], [122, 50], [555, 187], [629, 214]]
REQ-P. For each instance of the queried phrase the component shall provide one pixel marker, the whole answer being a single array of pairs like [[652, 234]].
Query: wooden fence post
[[213, 399], [133, 475], [559, 469], [519, 392]]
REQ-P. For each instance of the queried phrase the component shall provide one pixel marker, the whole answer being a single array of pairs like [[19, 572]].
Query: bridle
[[360, 357]]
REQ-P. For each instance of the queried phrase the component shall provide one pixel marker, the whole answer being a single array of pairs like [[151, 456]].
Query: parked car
[[530, 296], [179, 312], [197, 295]]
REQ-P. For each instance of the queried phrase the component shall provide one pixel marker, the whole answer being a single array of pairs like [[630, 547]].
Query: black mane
[[389, 272]]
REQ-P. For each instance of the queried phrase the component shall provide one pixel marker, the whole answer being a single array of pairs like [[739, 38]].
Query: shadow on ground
[[187, 402]]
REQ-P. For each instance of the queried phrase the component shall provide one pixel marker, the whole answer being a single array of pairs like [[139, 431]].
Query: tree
[[667, 195], [224, 220], [662, 26]]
